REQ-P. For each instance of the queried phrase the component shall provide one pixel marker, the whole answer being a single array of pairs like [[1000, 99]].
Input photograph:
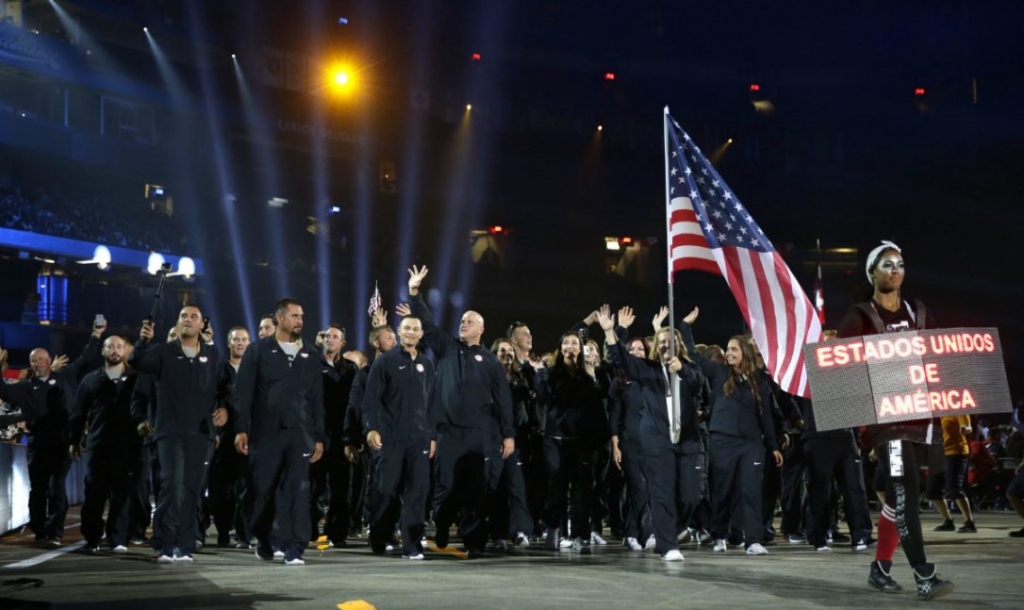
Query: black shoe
[[946, 526], [1017, 533], [967, 528], [264, 551], [474, 552], [224, 541], [862, 544], [931, 586], [879, 577], [441, 537], [839, 538], [378, 545], [551, 542]]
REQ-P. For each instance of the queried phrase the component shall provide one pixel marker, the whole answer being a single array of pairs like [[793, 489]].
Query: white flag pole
[[668, 245]]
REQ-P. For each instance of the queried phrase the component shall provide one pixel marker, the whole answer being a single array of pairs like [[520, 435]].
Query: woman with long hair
[[741, 429], [672, 454], [574, 426], [884, 311]]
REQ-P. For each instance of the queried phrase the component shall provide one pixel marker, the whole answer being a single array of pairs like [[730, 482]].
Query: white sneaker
[[673, 555], [387, 547], [651, 543], [120, 549], [165, 559], [416, 557], [823, 548], [596, 538], [298, 561], [720, 546], [632, 544], [756, 549], [565, 543], [500, 544], [522, 541], [278, 554]]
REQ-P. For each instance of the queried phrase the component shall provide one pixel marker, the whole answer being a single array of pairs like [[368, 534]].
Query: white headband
[[874, 254]]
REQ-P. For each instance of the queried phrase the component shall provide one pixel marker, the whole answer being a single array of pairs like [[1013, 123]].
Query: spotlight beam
[[224, 178], [255, 118], [181, 99]]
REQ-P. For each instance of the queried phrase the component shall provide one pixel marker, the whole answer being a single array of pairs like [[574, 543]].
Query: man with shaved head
[[475, 433], [112, 449]]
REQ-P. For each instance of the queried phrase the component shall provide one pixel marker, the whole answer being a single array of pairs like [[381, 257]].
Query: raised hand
[[626, 317], [207, 334], [146, 334], [659, 318], [692, 316], [605, 318], [403, 309], [379, 318], [416, 277], [59, 362]]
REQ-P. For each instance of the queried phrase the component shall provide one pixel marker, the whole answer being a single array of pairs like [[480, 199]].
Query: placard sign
[[896, 377]]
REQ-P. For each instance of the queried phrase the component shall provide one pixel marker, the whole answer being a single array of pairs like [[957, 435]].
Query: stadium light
[[156, 261], [186, 268]]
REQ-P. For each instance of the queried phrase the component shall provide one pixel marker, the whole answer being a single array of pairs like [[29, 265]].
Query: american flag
[[710, 230], [375, 301]]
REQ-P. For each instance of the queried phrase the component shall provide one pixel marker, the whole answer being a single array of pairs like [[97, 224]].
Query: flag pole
[[668, 240], [672, 349]]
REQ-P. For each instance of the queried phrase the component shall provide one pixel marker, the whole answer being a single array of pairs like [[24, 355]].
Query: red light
[[475, 57], [496, 229], [626, 241], [754, 87], [919, 91], [609, 76]]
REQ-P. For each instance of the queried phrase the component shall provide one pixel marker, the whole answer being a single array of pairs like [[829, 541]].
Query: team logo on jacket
[[203, 359], [479, 358], [419, 368]]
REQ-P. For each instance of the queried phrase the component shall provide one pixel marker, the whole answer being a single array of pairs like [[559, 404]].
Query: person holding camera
[[191, 396]]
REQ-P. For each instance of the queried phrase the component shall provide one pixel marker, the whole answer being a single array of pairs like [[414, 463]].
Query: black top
[[188, 388], [337, 389], [354, 413], [654, 428], [573, 404], [274, 392], [739, 413], [859, 322], [471, 384], [103, 405], [524, 408], [398, 402], [144, 402], [44, 406]]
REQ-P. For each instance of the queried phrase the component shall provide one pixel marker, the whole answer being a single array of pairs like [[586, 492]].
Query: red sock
[[888, 538]]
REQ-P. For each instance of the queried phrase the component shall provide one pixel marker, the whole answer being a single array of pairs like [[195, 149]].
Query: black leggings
[[903, 494]]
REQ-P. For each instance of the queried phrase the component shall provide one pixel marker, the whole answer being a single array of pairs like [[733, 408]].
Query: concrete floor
[[986, 567]]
